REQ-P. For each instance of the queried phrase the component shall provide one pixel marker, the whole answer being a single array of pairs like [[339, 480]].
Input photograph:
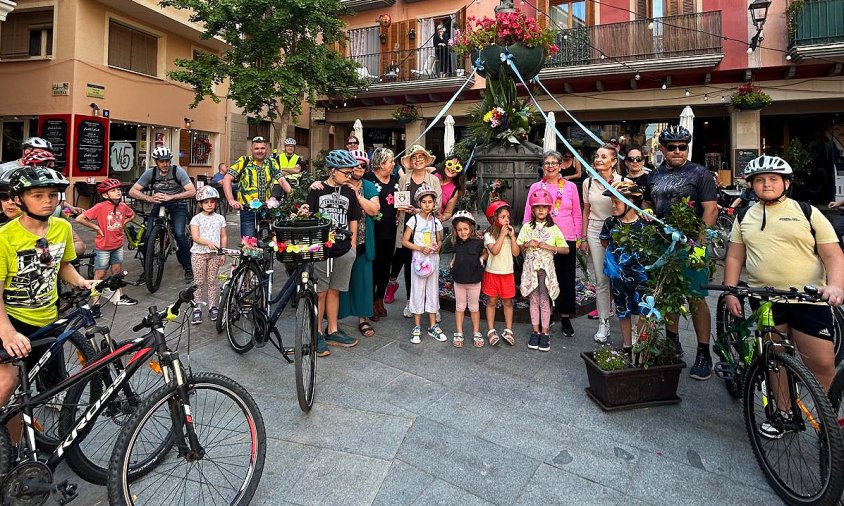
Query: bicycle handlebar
[[171, 313], [44, 341], [809, 294]]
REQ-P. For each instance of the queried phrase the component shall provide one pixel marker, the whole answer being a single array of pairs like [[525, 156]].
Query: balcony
[[817, 30], [367, 5], [423, 69], [671, 43]]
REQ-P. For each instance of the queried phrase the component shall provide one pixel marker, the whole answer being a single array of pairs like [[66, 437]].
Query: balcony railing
[[817, 22], [423, 65], [668, 37]]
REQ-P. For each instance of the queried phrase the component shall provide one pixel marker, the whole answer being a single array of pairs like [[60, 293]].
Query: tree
[[280, 51]]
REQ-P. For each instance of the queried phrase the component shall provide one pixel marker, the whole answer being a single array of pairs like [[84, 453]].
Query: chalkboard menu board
[[56, 129], [91, 145], [743, 157]]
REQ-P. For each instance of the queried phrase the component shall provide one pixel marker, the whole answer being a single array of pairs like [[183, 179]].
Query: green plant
[[800, 160], [748, 95], [406, 113], [609, 359], [468, 201], [505, 29], [500, 115], [794, 7]]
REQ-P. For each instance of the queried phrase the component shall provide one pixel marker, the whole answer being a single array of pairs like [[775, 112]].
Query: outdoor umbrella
[[549, 142], [358, 131], [448, 137], [687, 121]]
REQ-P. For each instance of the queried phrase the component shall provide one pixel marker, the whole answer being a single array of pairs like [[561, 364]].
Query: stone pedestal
[[516, 164], [745, 136], [413, 130]]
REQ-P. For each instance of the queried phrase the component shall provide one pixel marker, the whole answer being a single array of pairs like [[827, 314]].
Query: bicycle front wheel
[[225, 469], [246, 299], [801, 448], [731, 347], [304, 351], [720, 243], [154, 258], [222, 314]]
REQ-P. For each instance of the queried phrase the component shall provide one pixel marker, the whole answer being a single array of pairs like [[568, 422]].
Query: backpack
[[171, 173], [804, 206]]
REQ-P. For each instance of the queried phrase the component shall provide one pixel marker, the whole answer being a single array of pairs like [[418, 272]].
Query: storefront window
[[201, 148], [12, 139]]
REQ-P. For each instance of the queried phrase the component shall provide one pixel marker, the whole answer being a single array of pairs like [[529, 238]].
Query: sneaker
[[142, 280], [437, 333], [544, 342], [196, 317], [406, 313], [322, 348], [96, 311], [416, 335], [188, 276], [770, 431], [342, 339], [593, 315], [213, 313], [678, 348], [125, 300], [603, 331], [392, 288], [533, 342], [702, 370], [568, 330]]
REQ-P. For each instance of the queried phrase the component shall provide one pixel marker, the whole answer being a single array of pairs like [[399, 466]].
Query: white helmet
[[207, 192], [463, 215], [767, 165], [290, 141], [37, 142], [162, 153]]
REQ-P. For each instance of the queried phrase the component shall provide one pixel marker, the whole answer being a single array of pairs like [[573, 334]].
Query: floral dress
[[537, 259]]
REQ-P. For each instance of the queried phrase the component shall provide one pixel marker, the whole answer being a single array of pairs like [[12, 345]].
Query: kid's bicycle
[[789, 419]]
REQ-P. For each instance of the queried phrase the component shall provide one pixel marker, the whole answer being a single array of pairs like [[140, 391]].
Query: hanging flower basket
[[405, 114], [750, 98], [528, 60]]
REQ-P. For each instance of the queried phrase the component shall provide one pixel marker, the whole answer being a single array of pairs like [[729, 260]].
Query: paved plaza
[[398, 423]]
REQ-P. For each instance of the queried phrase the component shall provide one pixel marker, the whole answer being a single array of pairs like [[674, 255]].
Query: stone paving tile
[[427, 362], [355, 397], [550, 485], [412, 393], [402, 485], [446, 494], [489, 471], [285, 465], [338, 478]]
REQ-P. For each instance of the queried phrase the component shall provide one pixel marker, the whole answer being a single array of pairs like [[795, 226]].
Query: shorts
[[337, 278], [812, 319], [502, 286], [626, 297], [103, 259], [697, 277]]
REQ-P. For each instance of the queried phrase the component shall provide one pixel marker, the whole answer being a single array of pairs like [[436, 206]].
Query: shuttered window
[[132, 49], [27, 34]]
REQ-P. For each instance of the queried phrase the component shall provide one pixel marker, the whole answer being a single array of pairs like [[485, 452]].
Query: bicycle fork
[[180, 412]]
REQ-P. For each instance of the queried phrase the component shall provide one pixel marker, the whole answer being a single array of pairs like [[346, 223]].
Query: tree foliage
[[280, 52]]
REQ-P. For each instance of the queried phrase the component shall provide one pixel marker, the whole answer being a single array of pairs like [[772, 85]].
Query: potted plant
[[406, 113], [485, 39], [749, 97], [648, 374]]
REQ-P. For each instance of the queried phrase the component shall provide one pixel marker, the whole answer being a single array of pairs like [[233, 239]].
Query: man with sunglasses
[[35, 250], [675, 179]]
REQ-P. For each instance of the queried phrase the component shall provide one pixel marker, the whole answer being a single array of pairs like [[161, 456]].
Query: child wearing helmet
[[208, 231], [540, 239], [107, 219], [467, 269], [499, 281], [626, 274]]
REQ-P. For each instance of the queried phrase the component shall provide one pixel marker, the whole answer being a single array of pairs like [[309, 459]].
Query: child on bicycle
[[109, 217], [782, 249], [540, 239], [208, 231], [467, 269], [423, 235], [499, 281]]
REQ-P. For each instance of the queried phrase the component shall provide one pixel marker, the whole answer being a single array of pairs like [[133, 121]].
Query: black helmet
[[5, 180], [27, 178], [675, 133]]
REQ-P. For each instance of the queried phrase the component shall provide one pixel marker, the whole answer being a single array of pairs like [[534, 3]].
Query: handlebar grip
[[139, 326], [723, 288], [185, 295]]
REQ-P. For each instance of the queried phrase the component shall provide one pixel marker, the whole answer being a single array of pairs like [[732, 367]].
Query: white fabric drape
[[448, 138], [426, 41], [358, 130], [687, 121], [549, 142], [364, 48]]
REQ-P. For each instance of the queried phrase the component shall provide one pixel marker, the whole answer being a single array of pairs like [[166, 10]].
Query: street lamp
[[506, 6], [759, 12]]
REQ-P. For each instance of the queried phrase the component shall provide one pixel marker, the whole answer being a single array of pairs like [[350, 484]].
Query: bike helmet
[[494, 207], [108, 185], [540, 197], [423, 190], [340, 159], [290, 141], [675, 133], [27, 178], [360, 156], [463, 216], [38, 156], [767, 165], [627, 189], [38, 143], [207, 192], [162, 153], [5, 180]]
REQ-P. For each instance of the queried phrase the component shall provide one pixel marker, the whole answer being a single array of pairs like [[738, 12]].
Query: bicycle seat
[[5, 358]]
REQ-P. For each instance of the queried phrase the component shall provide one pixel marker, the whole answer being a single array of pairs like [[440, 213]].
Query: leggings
[[384, 249], [602, 283], [540, 304], [402, 258], [467, 295], [205, 269]]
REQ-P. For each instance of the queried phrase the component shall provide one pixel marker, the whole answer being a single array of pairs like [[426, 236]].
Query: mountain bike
[[160, 243], [134, 230], [84, 265], [789, 419], [250, 322], [723, 226]]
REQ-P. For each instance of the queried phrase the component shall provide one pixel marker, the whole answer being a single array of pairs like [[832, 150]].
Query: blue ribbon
[[711, 233], [649, 305], [677, 237], [479, 64], [507, 57]]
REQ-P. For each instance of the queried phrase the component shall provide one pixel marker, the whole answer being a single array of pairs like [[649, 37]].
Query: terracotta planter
[[632, 388], [529, 60]]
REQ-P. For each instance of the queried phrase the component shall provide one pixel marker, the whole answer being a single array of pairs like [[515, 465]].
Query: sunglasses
[[258, 139], [634, 159], [44, 257], [352, 143], [675, 147]]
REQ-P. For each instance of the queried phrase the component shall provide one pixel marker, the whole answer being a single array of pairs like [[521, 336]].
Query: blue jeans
[[247, 223], [179, 217]]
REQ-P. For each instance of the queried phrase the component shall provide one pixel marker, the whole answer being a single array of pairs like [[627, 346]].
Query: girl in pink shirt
[[453, 185]]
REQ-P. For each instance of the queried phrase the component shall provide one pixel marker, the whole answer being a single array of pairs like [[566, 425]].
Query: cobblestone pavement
[[397, 423]]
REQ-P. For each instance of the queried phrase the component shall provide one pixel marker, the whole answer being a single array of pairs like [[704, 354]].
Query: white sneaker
[[406, 312], [416, 335], [603, 331]]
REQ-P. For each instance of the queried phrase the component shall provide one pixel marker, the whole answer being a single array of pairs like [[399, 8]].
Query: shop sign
[[91, 144], [743, 157], [56, 129], [122, 156], [61, 89], [95, 90]]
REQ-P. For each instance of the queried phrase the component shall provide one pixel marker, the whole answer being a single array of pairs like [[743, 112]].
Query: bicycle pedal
[[66, 492], [724, 370]]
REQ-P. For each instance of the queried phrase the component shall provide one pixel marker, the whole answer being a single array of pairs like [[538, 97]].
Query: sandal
[[478, 340], [366, 329], [457, 340], [507, 335], [492, 337]]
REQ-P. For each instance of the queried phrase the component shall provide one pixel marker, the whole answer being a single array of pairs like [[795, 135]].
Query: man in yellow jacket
[[288, 160]]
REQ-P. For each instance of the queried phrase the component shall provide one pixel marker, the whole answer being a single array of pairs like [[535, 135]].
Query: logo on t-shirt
[[34, 283], [336, 207]]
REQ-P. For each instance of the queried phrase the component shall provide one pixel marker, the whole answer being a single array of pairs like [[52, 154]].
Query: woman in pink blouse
[[567, 216]]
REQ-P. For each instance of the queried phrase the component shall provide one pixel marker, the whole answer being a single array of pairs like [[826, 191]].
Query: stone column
[[319, 139], [413, 130], [745, 134]]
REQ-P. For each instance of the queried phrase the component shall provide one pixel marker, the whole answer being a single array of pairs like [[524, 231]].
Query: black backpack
[[804, 206]]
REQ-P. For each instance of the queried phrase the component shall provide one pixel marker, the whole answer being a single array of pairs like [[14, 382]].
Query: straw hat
[[414, 149]]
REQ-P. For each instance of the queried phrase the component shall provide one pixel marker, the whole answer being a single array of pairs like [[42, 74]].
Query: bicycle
[[250, 322], [183, 435], [134, 230], [796, 417], [723, 226], [84, 264], [160, 243]]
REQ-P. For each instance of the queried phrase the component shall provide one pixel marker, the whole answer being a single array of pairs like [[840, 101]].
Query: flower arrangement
[[748, 96], [610, 359], [505, 29], [468, 201], [406, 113], [495, 189]]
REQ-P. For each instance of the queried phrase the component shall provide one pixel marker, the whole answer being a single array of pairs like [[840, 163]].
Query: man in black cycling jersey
[[170, 185]]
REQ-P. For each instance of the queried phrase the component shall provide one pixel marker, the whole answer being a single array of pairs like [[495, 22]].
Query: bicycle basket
[[301, 240]]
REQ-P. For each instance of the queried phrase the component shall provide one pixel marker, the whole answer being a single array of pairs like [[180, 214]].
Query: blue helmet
[[340, 159]]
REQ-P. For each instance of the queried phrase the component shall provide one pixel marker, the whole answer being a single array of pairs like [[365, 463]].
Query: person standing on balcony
[[442, 51]]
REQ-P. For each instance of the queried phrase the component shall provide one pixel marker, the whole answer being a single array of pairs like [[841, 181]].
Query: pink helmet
[[540, 197], [360, 156]]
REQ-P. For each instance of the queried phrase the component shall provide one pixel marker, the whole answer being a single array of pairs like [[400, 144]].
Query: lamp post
[[758, 13], [505, 6]]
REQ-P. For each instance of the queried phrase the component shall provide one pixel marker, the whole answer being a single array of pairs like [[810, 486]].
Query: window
[[259, 128], [200, 149], [661, 8], [27, 34], [132, 49], [572, 13], [301, 136]]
